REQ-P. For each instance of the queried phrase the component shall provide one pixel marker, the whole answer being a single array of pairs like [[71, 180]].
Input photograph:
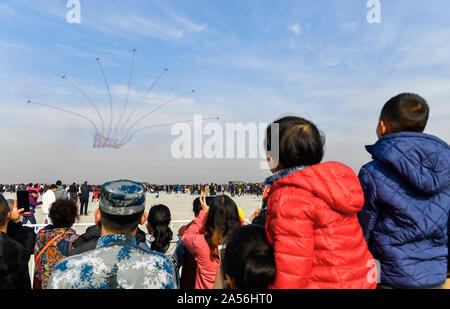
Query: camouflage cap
[[122, 198]]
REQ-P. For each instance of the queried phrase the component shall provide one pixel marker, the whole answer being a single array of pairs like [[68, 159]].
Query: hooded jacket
[[60, 193], [406, 212], [313, 227]]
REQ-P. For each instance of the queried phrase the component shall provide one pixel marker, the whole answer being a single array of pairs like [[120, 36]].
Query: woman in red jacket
[[209, 230], [311, 217]]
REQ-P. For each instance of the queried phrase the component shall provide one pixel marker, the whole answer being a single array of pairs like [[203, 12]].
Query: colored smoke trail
[[66, 111], [89, 99], [164, 125], [109, 94], [112, 141], [151, 112], [143, 97], [128, 93]]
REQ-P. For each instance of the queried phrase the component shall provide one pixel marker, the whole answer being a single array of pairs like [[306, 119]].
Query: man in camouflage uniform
[[117, 263]]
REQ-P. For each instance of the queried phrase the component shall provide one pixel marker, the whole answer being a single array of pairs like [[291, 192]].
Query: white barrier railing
[[37, 227]]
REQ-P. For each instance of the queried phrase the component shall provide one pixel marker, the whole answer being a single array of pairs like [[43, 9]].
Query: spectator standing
[[248, 259], [84, 199], [54, 242], [29, 216], [312, 211], [407, 197], [60, 192], [160, 237], [73, 190], [47, 200], [13, 256], [209, 230], [188, 272], [117, 262], [22, 234]]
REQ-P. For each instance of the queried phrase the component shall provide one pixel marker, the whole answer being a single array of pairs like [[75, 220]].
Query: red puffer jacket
[[313, 228]]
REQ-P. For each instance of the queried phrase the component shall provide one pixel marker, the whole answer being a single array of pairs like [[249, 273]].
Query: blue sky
[[249, 61]]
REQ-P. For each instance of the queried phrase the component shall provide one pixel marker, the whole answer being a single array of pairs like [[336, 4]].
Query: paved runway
[[180, 206]]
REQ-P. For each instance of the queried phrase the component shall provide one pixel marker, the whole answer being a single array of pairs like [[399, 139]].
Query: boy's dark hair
[[249, 259], [406, 112], [63, 213], [120, 224], [300, 142], [59, 183], [196, 206], [4, 210]]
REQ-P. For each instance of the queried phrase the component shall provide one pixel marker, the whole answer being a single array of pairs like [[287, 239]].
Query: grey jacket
[[61, 193]]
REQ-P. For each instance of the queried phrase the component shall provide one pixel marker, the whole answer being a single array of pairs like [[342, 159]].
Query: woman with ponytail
[[160, 237], [212, 227]]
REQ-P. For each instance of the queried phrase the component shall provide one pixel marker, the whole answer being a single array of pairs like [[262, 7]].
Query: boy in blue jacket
[[407, 197]]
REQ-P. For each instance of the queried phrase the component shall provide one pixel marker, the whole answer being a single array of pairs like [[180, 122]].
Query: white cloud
[[296, 29]]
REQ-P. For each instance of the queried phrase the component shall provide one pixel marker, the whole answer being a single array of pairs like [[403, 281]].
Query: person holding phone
[[216, 221], [13, 256]]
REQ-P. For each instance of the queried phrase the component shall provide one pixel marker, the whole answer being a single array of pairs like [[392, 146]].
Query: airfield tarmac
[[180, 206]]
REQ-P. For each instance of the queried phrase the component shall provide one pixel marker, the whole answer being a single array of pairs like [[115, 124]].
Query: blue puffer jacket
[[407, 204]]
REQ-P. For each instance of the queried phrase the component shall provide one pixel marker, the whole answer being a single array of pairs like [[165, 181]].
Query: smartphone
[[23, 201]]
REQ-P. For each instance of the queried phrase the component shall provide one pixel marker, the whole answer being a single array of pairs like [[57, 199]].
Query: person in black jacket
[[73, 190], [84, 199], [24, 235], [88, 240], [13, 256]]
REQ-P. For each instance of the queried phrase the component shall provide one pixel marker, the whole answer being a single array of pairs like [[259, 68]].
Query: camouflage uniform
[[116, 263]]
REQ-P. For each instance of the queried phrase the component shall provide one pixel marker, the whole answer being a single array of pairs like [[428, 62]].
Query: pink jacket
[[196, 244]]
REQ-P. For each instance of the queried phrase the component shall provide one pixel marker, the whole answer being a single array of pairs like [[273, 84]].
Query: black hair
[[63, 213], [406, 112], [59, 183], [52, 187], [222, 219], [4, 210], [120, 224], [300, 142], [249, 259], [196, 206], [159, 219]]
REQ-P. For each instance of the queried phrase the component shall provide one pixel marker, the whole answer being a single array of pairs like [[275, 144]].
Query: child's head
[[196, 206], [248, 261], [406, 112], [300, 143]]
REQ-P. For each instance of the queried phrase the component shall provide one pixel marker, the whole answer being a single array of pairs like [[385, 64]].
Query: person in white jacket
[[47, 200]]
